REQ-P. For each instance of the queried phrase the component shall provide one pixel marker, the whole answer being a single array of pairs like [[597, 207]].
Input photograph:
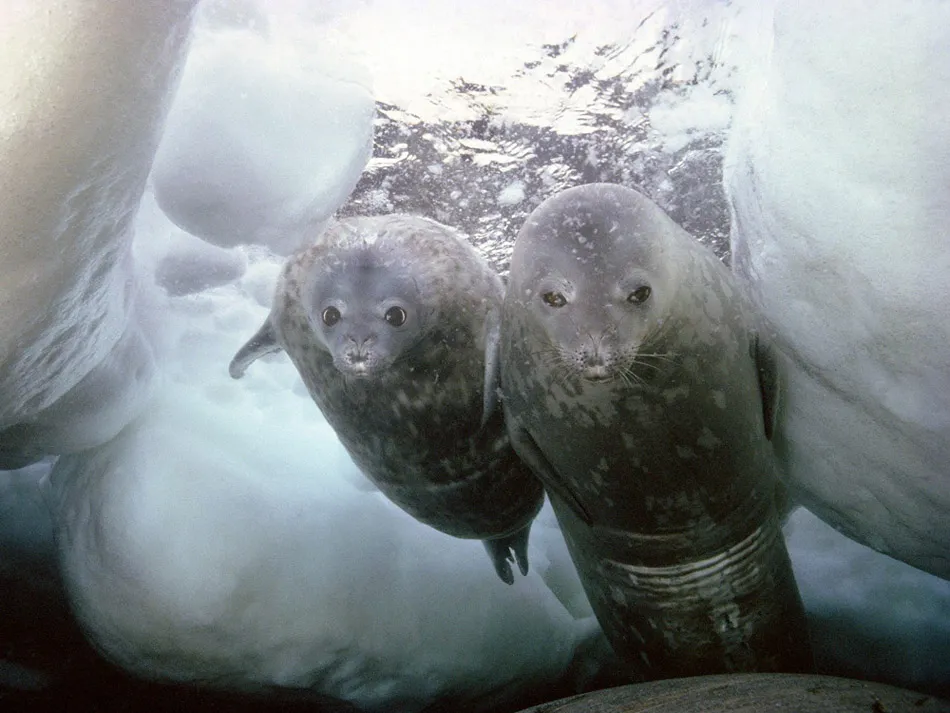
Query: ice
[[267, 136], [100, 405], [512, 194], [196, 267], [411, 61], [84, 88], [869, 615], [838, 174]]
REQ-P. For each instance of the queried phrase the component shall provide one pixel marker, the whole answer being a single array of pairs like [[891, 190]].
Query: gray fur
[[408, 400], [631, 389]]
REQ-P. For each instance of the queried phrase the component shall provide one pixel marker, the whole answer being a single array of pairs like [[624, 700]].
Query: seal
[[635, 386], [393, 323]]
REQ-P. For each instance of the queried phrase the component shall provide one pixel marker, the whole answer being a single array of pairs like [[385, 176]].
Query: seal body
[[634, 385], [392, 323]]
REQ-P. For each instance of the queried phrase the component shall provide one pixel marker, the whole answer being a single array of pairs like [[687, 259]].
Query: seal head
[[367, 312], [598, 311]]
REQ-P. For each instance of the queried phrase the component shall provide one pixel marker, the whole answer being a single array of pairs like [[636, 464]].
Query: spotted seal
[[635, 386], [392, 322]]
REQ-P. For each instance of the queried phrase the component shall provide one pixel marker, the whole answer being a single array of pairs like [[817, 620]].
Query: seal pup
[[635, 387], [392, 322]]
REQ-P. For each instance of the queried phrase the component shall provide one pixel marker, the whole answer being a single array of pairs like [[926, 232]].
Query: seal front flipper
[[492, 360], [531, 454], [766, 366], [262, 343]]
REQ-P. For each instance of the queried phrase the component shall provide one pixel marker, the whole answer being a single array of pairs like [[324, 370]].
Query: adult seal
[[392, 323], [635, 387]]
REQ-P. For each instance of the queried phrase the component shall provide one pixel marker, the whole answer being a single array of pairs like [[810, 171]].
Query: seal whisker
[[549, 357], [625, 378], [568, 357], [546, 349], [667, 356], [637, 362], [630, 376]]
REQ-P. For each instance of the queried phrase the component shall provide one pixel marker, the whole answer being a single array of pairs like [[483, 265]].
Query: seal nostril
[[594, 358], [594, 355]]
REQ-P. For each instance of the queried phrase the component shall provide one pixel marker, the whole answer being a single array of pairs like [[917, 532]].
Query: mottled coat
[[633, 383], [414, 404]]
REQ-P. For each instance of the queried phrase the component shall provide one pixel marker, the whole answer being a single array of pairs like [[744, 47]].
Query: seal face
[[392, 323], [636, 389]]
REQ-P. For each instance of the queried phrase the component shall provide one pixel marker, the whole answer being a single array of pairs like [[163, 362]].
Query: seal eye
[[639, 295], [330, 316], [395, 316], [554, 299]]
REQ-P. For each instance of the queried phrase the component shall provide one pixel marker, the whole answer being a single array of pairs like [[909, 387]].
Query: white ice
[[869, 615], [839, 176], [84, 90], [266, 138]]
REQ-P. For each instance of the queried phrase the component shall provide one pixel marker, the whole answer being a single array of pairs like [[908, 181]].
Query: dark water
[[457, 171]]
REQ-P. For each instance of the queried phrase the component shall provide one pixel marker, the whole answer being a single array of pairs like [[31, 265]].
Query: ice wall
[[839, 177], [84, 87]]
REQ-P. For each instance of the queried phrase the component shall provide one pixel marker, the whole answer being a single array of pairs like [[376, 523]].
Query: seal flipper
[[492, 361], [500, 554], [531, 454], [510, 548], [519, 546], [262, 343], [766, 366], [505, 550]]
